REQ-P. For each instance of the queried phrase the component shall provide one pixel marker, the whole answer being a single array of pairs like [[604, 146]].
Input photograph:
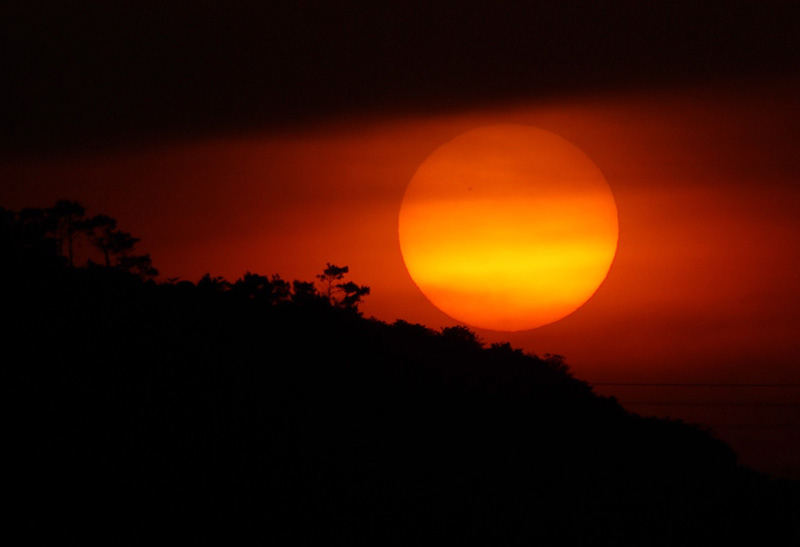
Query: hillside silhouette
[[273, 410]]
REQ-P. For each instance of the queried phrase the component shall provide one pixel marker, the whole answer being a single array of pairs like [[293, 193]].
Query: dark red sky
[[243, 136], [106, 73]]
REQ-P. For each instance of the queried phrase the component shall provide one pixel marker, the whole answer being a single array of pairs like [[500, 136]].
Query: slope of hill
[[267, 409]]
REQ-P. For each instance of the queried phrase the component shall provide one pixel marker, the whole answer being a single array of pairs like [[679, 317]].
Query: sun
[[508, 228]]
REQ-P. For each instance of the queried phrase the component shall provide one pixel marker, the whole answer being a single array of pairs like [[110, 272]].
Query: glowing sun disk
[[508, 228]]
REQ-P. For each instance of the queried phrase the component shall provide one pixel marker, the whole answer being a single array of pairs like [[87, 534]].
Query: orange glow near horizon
[[703, 281], [508, 228]]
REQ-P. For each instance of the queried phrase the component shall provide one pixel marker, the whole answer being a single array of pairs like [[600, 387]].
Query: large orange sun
[[508, 228]]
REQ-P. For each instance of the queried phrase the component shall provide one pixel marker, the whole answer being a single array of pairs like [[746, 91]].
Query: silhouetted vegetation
[[274, 410], [39, 232], [345, 294]]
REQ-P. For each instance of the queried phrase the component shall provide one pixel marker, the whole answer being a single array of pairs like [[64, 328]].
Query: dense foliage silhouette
[[272, 410]]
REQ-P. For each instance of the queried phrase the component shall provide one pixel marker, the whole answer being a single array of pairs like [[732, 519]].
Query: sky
[[239, 136]]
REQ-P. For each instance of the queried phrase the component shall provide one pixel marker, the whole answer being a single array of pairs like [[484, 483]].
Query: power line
[[676, 384], [757, 427], [689, 403]]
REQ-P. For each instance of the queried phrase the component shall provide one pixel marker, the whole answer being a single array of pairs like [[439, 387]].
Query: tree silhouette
[[216, 284], [280, 290], [53, 231], [344, 295], [67, 217], [102, 232], [262, 288], [121, 243], [141, 265], [28, 235], [461, 335], [329, 277], [352, 294], [117, 246], [304, 292]]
